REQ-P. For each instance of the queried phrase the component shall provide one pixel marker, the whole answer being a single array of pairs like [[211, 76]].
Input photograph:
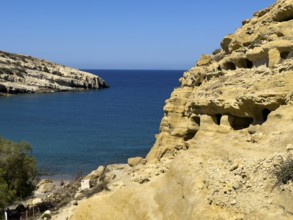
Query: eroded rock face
[[226, 174], [24, 74], [224, 133], [241, 84]]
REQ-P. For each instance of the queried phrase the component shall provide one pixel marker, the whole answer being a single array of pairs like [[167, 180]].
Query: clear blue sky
[[125, 34]]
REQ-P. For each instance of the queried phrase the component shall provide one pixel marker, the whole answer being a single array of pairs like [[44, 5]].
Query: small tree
[[17, 172]]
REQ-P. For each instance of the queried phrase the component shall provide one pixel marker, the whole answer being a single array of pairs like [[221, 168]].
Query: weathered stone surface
[[204, 60], [133, 161], [274, 57], [251, 79], [224, 133], [25, 74], [95, 174], [45, 186], [284, 13], [223, 175]]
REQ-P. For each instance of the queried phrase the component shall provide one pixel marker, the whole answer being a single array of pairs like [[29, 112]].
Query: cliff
[[238, 86], [25, 74], [225, 134]]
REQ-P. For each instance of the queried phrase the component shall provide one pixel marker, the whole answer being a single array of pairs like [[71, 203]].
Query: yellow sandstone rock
[[223, 134]]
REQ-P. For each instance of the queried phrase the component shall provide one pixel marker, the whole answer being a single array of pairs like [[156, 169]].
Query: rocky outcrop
[[45, 186], [225, 134], [25, 74], [238, 86]]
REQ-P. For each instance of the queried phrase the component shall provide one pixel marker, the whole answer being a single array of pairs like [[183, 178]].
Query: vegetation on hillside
[[285, 172], [17, 172]]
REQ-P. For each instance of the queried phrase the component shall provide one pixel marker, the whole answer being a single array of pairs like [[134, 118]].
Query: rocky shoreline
[[225, 134], [21, 74]]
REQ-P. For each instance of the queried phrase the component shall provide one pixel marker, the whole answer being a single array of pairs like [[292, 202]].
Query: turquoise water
[[73, 132]]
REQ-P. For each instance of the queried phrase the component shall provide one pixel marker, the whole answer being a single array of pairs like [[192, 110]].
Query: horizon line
[[132, 69]]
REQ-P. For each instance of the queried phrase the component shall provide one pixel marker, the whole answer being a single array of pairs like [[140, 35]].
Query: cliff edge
[[225, 134], [239, 85], [25, 74]]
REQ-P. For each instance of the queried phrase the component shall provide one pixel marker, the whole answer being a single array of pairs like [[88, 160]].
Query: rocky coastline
[[21, 74], [225, 133]]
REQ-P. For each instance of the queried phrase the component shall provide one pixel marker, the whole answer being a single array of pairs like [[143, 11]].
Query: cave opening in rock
[[196, 119], [238, 123], [217, 118], [284, 15], [3, 89], [189, 135], [284, 54], [261, 62], [245, 63], [285, 18], [229, 66], [265, 113]]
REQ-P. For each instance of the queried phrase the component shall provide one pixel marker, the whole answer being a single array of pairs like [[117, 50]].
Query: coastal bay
[[74, 132]]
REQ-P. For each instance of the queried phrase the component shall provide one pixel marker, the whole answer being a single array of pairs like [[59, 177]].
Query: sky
[[121, 34]]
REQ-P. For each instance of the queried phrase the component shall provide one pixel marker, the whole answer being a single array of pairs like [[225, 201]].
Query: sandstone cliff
[[25, 74], [225, 132], [239, 85]]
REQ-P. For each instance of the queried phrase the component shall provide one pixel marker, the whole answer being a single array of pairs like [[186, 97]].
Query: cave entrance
[[189, 135], [196, 119], [284, 15], [245, 63], [265, 113], [217, 118], [3, 89], [229, 66], [284, 54], [238, 123], [192, 132]]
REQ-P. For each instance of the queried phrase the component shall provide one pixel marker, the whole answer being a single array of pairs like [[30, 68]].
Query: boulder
[[95, 174], [204, 60], [133, 161], [46, 186], [46, 215]]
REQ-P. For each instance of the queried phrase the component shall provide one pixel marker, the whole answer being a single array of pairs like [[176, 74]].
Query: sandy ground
[[64, 213]]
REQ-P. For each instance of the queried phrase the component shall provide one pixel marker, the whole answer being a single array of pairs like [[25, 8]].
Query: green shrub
[[284, 173], [17, 172], [45, 69], [18, 63], [57, 73], [4, 70]]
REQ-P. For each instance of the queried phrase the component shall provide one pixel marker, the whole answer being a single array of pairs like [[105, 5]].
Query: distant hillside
[[25, 74]]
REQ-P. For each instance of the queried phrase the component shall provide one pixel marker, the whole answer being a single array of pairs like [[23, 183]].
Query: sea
[[72, 133]]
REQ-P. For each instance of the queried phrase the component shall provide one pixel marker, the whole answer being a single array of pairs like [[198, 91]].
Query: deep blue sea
[[73, 132]]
